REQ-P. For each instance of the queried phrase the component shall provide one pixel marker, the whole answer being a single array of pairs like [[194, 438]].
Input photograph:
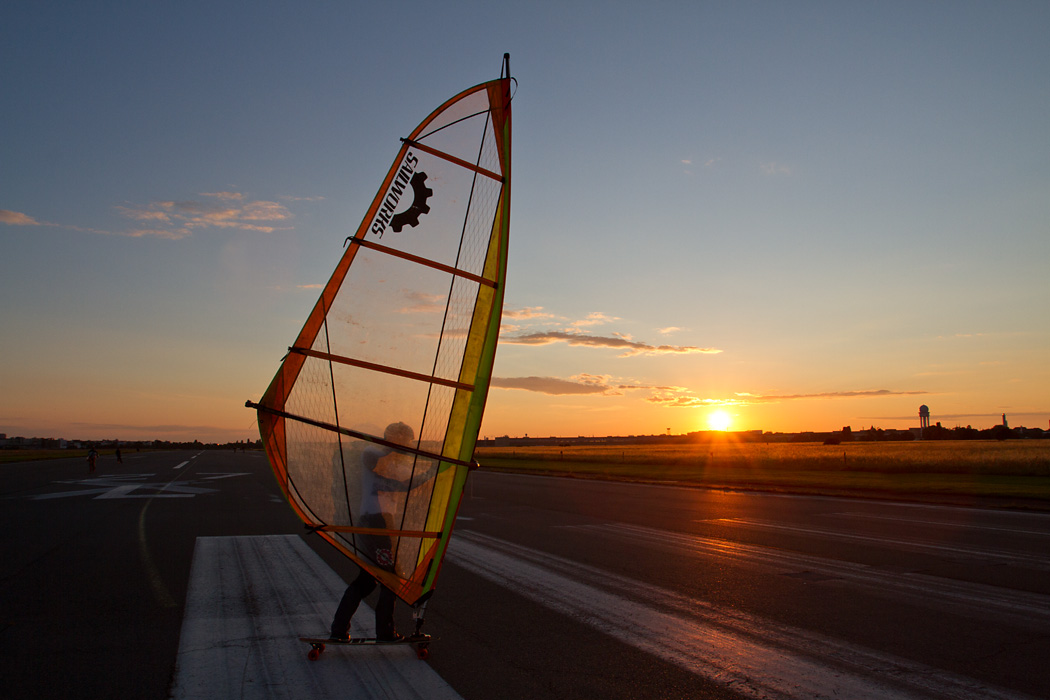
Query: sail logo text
[[406, 176]]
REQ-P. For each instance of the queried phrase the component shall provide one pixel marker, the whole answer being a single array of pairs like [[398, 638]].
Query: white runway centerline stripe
[[753, 656], [250, 599]]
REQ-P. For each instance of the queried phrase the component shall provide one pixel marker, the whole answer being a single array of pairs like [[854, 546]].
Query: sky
[[793, 215]]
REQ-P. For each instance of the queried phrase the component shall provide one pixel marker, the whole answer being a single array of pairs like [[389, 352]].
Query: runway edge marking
[[754, 657]]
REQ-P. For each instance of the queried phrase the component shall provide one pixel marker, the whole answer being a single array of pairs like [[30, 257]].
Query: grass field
[[1011, 470]]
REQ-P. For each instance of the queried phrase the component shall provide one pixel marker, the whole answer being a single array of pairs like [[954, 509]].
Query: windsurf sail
[[370, 422]]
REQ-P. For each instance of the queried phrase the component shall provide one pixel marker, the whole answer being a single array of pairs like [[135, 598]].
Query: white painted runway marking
[[941, 523], [1033, 561], [250, 599], [183, 464], [753, 656], [134, 486], [125, 491], [121, 486], [994, 603]]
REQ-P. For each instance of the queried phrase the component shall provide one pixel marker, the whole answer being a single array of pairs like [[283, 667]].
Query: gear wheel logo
[[420, 194], [384, 557]]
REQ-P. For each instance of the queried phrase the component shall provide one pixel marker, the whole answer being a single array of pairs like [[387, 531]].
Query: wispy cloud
[[178, 219], [595, 318], [532, 325], [535, 314], [667, 396], [16, 218], [630, 348], [866, 393], [514, 320], [529, 313], [683, 398], [774, 168], [551, 385], [538, 313], [172, 234], [293, 198], [584, 383], [418, 302]]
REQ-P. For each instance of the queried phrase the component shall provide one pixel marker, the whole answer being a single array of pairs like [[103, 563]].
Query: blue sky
[[849, 202]]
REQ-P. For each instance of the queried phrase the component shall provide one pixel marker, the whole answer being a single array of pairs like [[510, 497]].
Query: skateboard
[[317, 644]]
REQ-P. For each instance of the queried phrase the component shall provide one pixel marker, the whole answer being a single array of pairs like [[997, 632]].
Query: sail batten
[[379, 531], [424, 261], [429, 378], [336, 429], [458, 161]]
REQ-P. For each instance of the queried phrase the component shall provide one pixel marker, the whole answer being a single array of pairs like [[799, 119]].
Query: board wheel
[[422, 653], [315, 652]]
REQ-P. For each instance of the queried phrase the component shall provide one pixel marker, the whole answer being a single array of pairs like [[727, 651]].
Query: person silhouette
[[377, 547]]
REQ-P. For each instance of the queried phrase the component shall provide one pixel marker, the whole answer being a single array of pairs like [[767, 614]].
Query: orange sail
[[371, 420]]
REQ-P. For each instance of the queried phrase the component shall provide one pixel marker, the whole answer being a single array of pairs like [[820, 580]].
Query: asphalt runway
[[185, 574], [95, 566]]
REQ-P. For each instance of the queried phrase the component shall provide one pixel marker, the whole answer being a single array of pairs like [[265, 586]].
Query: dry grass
[[1018, 469], [1012, 457]]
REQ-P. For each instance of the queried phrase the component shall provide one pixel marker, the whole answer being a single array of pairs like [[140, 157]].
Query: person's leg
[[361, 586], [385, 629]]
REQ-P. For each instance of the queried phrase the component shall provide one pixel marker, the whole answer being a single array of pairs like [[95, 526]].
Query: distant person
[[120, 460], [378, 548], [92, 457]]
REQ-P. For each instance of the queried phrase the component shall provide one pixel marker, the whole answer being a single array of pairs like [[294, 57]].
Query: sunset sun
[[719, 420]]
